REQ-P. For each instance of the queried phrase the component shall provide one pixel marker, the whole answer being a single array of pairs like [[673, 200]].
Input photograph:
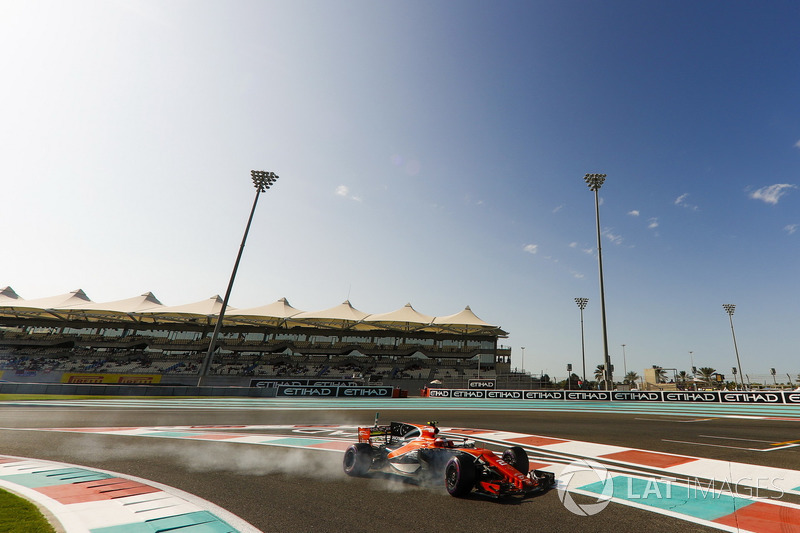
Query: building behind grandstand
[[69, 338]]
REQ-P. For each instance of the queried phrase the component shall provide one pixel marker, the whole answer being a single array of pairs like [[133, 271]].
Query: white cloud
[[559, 208], [772, 193], [652, 223], [681, 201], [531, 248], [587, 251], [344, 192], [613, 237], [791, 228], [634, 213], [797, 144]]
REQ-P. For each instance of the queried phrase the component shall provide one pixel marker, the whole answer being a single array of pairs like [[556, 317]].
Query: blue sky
[[429, 152]]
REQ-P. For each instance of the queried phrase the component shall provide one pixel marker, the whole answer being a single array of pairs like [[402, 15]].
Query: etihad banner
[[636, 395], [106, 379], [312, 391], [792, 397], [762, 397], [482, 384]]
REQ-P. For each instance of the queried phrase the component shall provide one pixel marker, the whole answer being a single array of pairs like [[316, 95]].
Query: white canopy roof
[[189, 312], [463, 321], [144, 302], [76, 305], [109, 310], [343, 311], [7, 294], [276, 313], [62, 300], [404, 318], [209, 306], [343, 315], [41, 306], [277, 309]]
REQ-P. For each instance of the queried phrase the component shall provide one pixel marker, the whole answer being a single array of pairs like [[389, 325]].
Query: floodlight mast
[[582, 305], [730, 308], [261, 181], [595, 181]]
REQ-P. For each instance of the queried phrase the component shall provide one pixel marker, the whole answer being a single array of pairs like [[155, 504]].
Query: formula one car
[[417, 450]]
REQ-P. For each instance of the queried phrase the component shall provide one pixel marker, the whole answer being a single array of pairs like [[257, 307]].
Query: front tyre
[[357, 459], [518, 458], [459, 476]]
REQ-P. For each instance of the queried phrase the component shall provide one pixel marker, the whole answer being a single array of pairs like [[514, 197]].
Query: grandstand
[[70, 338]]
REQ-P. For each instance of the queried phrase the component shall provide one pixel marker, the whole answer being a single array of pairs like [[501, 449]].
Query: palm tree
[[707, 373], [600, 372], [683, 378], [631, 378], [661, 374]]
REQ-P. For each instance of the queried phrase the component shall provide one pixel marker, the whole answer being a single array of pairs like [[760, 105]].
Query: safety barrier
[[764, 397]]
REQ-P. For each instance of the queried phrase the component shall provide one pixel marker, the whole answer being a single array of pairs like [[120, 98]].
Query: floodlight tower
[[730, 308], [582, 305], [261, 181], [595, 181], [624, 362]]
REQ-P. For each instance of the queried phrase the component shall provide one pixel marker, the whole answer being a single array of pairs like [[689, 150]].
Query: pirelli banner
[[100, 379], [762, 397], [320, 391]]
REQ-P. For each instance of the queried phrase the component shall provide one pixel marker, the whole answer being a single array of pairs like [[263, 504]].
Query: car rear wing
[[375, 435], [381, 434], [378, 434]]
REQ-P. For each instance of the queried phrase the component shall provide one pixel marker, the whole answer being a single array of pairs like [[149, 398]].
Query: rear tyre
[[459, 476], [518, 458], [357, 459]]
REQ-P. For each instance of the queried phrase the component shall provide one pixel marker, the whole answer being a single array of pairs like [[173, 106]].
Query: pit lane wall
[[763, 397]]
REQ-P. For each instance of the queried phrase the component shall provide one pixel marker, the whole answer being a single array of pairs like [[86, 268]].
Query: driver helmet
[[441, 442], [430, 431]]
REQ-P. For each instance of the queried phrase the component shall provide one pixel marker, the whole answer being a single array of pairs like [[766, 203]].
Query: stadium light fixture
[[582, 305], [730, 308], [624, 363], [261, 181], [595, 181]]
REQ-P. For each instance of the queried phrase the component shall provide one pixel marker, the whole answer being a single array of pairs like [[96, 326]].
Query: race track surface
[[303, 488]]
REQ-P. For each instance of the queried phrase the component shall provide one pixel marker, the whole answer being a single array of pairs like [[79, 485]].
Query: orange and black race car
[[419, 450]]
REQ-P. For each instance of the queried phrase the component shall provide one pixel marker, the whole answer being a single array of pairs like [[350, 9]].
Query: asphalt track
[[278, 489]]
